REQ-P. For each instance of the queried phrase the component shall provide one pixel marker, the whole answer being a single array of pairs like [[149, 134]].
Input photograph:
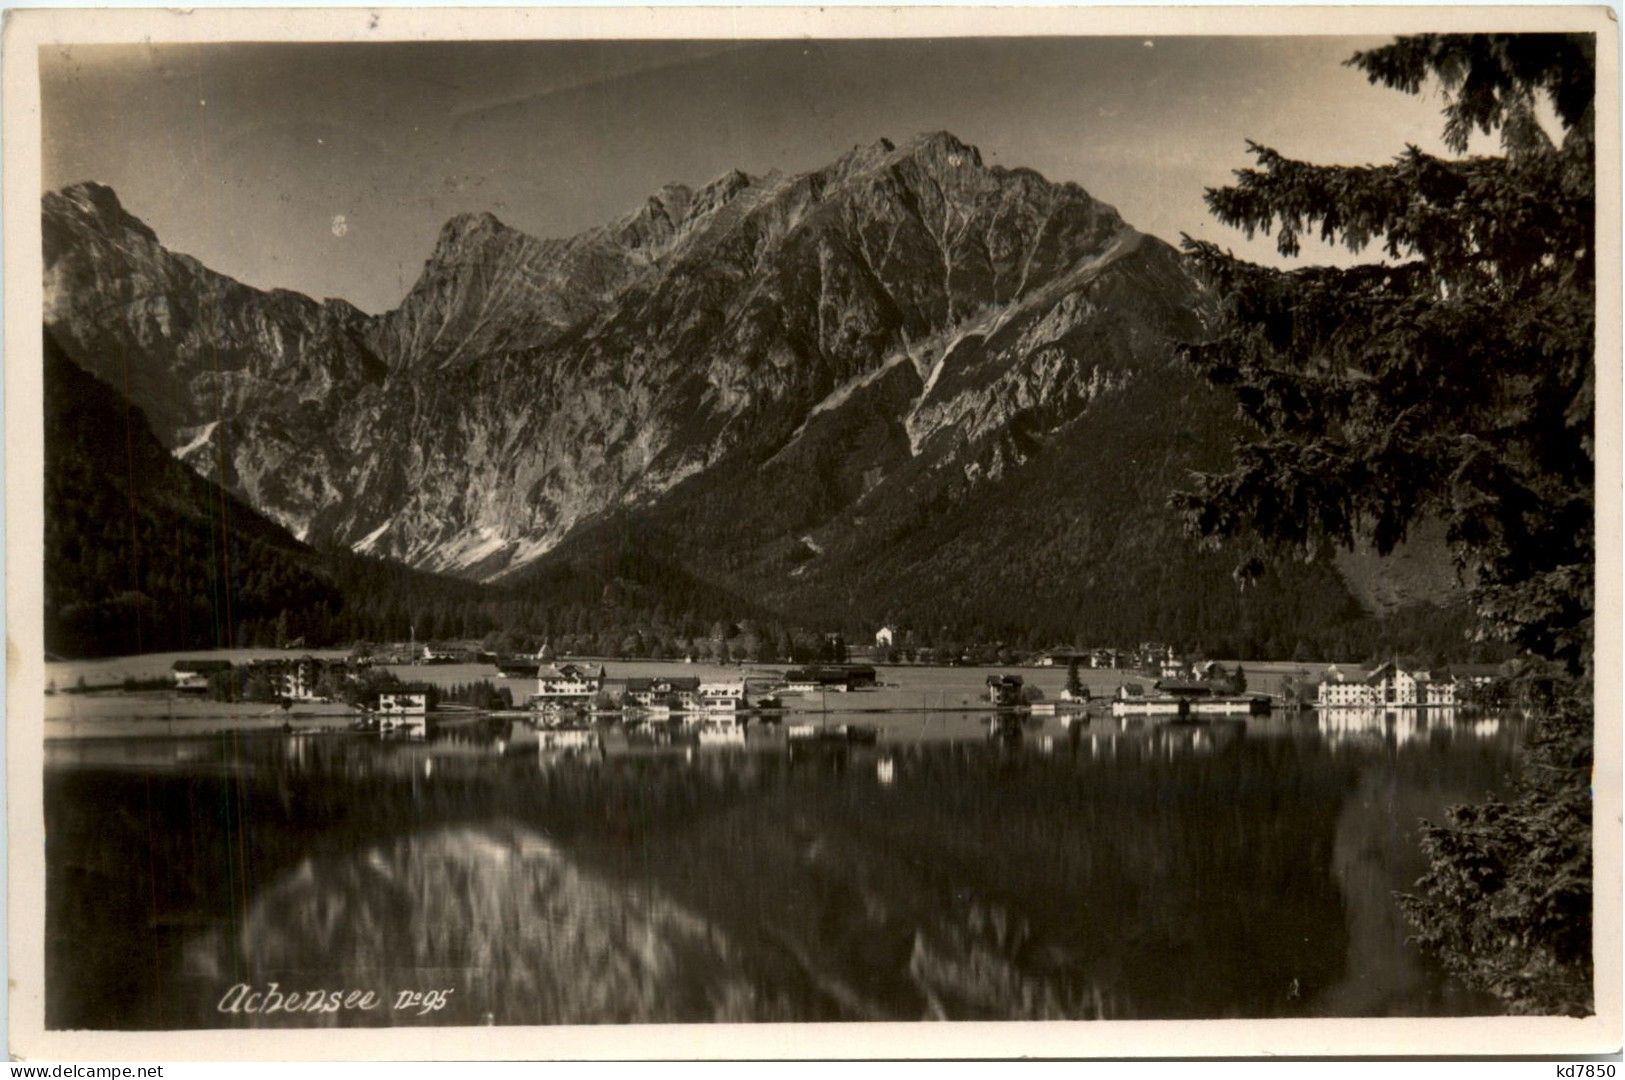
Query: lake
[[488, 874]]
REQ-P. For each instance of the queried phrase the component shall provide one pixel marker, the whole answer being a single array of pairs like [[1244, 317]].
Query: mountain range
[[907, 386]]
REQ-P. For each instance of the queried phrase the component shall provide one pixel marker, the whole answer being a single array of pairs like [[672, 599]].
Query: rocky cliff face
[[960, 317], [267, 392]]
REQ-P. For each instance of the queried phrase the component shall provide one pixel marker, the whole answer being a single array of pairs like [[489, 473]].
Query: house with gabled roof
[[566, 682], [1389, 686]]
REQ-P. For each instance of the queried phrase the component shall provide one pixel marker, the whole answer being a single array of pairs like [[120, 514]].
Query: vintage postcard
[[758, 532]]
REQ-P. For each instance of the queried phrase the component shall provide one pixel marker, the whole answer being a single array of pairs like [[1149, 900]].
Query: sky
[[330, 168]]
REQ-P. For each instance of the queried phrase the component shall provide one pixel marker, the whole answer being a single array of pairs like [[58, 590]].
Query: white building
[[567, 682], [1388, 687], [723, 698], [1341, 693], [722, 690], [1395, 686], [885, 637], [195, 674], [1478, 676], [191, 680], [1440, 693], [297, 681], [403, 704], [660, 691]]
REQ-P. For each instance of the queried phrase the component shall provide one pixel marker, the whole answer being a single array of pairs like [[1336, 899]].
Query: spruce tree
[[1451, 375]]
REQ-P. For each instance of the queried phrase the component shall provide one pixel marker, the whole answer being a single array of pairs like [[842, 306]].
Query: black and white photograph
[[691, 525]]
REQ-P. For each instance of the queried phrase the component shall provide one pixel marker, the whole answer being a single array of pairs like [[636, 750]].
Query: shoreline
[[339, 722]]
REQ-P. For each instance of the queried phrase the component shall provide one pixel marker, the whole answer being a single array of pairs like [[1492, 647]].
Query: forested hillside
[[141, 553]]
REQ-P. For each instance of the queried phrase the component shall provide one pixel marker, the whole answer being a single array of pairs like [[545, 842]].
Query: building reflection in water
[[1060, 869], [1404, 727], [721, 751]]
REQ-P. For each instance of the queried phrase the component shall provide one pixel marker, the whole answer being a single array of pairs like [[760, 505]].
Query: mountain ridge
[[491, 296], [904, 325], [142, 554]]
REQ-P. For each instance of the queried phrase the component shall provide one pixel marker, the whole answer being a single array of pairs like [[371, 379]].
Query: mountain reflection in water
[[1109, 869]]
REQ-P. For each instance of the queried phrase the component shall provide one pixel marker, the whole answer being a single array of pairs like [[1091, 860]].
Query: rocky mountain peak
[[653, 223], [861, 159], [677, 209], [720, 191], [673, 200], [341, 312], [96, 206], [466, 233], [941, 147], [937, 152]]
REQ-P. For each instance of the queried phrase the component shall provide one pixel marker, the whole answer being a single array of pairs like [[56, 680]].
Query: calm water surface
[[1109, 869]]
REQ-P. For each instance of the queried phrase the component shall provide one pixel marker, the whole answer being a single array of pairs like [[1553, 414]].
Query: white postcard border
[[27, 30]]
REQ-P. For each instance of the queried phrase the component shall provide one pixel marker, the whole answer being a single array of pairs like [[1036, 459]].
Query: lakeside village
[[575, 693]]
